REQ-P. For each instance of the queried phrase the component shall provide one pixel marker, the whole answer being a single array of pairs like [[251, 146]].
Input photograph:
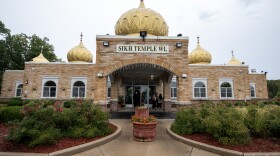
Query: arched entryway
[[136, 83]]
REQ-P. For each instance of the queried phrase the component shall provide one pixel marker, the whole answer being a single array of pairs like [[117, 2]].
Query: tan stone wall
[[261, 85], [239, 75], [176, 60], [34, 72], [10, 78]]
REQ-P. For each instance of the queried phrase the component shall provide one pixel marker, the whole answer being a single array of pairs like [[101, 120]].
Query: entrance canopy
[[141, 72]]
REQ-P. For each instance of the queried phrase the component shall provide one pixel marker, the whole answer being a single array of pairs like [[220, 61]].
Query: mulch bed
[[256, 145], [61, 144]]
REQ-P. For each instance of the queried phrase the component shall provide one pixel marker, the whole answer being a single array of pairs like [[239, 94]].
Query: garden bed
[[256, 144], [59, 145]]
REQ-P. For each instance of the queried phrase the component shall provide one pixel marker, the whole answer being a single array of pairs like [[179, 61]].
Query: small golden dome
[[79, 53], [40, 59], [141, 19], [199, 55], [234, 61]]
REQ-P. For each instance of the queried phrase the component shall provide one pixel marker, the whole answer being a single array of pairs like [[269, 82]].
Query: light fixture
[[143, 34], [152, 76], [100, 74], [184, 76], [106, 44], [179, 35], [179, 45], [26, 82]]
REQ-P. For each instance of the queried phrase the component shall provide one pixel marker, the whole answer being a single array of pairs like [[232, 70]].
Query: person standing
[[154, 100], [160, 101]]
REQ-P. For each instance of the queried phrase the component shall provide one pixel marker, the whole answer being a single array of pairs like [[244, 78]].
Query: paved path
[[164, 145]]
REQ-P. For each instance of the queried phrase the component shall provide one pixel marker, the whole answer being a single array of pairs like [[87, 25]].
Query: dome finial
[[197, 39], [232, 53], [142, 5], [81, 37], [42, 49]]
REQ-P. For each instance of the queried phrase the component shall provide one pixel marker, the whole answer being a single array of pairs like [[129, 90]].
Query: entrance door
[[141, 95]]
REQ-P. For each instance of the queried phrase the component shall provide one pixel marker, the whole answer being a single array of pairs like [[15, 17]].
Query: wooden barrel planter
[[144, 131]]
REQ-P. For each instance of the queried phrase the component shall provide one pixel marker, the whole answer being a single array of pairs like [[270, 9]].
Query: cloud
[[248, 3], [208, 16]]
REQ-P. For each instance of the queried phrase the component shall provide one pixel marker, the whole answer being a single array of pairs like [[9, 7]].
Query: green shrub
[[10, 114], [44, 124], [68, 104], [187, 122], [226, 124], [264, 122], [241, 104], [14, 103]]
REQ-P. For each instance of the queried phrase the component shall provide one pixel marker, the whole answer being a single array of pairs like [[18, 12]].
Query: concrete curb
[[213, 149], [72, 150]]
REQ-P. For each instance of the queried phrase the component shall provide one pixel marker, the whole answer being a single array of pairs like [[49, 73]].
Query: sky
[[251, 28]]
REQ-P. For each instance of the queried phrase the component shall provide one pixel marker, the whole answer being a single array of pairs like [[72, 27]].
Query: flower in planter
[[148, 119]]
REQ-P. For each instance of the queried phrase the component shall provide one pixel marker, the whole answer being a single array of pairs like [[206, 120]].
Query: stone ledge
[[72, 150], [213, 149]]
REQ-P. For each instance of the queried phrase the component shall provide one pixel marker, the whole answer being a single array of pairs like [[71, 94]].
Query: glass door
[[145, 95]]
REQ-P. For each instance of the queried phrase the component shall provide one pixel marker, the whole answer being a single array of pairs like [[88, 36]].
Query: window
[[252, 90], [19, 89], [226, 90], [199, 87], [199, 90], [174, 88], [78, 89], [49, 89]]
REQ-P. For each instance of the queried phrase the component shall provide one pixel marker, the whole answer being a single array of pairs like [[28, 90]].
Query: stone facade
[[9, 82], [112, 64]]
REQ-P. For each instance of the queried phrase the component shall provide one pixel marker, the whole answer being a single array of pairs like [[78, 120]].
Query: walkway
[[164, 145]]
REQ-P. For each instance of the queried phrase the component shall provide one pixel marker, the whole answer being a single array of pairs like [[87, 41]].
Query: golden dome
[[199, 55], [234, 61], [40, 59], [141, 19], [79, 54]]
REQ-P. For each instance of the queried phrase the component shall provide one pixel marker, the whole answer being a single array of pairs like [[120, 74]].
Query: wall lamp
[[100, 74], [179, 45], [26, 82], [106, 44], [184, 76], [143, 34]]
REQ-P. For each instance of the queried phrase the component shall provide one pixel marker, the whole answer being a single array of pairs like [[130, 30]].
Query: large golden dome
[[141, 19], [199, 55], [40, 59], [234, 61], [79, 54]]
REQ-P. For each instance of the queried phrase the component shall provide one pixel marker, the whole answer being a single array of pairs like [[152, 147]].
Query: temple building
[[139, 58]]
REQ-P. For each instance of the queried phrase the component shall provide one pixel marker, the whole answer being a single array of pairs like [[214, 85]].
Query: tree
[[273, 88], [17, 49]]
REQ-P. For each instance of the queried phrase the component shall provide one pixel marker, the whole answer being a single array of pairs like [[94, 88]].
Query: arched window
[[173, 89], [78, 89], [199, 90], [226, 90], [19, 90], [49, 89], [253, 90]]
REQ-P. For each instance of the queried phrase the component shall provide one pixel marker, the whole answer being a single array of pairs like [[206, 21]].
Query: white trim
[[230, 81], [254, 86], [216, 65], [139, 37], [203, 80], [46, 79], [17, 84], [75, 79]]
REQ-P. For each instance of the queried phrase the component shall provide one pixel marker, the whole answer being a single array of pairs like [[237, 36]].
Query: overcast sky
[[251, 28]]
